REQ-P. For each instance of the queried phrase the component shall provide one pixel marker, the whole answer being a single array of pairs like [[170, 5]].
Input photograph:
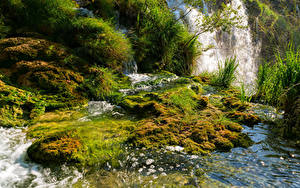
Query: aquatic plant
[[226, 73]]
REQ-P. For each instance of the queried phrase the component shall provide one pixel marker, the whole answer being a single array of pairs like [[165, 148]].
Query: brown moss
[[223, 144], [234, 103], [13, 50], [244, 118], [55, 149], [45, 76]]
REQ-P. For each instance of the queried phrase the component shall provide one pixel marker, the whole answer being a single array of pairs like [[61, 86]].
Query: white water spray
[[16, 170], [238, 43]]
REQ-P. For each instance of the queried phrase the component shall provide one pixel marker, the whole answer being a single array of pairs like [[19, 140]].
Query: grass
[[226, 73], [279, 83]]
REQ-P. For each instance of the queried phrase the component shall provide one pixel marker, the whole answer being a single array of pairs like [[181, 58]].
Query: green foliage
[[159, 40], [226, 73], [47, 16], [276, 23], [99, 40], [99, 84], [244, 97], [279, 82], [92, 37], [4, 29]]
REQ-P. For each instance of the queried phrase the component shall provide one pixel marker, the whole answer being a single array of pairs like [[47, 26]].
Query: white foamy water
[[237, 43], [16, 170]]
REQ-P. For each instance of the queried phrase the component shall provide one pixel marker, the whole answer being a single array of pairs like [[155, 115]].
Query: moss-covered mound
[[182, 117], [17, 106], [60, 140], [49, 75]]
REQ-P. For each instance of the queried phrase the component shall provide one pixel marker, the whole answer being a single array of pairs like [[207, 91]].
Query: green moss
[[18, 106], [84, 143], [233, 103], [189, 120]]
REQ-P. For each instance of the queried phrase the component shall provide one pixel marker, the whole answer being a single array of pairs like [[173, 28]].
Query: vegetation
[[54, 59], [276, 22], [278, 84], [226, 73]]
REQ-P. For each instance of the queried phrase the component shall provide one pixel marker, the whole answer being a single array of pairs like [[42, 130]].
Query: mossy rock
[[234, 103], [17, 106], [143, 105], [244, 118], [17, 49], [85, 144], [58, 148]]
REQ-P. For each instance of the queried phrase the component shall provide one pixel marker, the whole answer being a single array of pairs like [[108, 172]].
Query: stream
[[270, 162]]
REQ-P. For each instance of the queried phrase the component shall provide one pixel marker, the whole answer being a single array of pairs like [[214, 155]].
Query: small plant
[[225, 75], [244, 97]]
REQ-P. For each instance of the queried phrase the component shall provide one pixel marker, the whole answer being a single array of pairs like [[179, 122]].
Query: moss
[[18, 106], [187, 120], [82, 143], [56, 148], [234, 103], [26, 48], [142, 105], [244, 118]]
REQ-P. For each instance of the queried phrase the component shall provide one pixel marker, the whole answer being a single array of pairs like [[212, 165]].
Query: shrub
[[225, 75], [94, 38]]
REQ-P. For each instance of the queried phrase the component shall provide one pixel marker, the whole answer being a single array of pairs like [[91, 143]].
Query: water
[[270, 162], [16, 170], [238, 43]]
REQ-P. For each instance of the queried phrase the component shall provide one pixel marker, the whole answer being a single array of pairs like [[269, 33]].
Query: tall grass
[[279, 83], [226, 73]]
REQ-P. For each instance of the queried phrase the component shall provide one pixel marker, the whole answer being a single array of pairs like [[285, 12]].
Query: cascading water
[[16, 170], [237, 43]]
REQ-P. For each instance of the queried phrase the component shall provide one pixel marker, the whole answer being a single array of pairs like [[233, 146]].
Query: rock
[[244, 118], [234, 103]]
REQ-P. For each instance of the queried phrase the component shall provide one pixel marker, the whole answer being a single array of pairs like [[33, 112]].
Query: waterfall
[[236, 43]]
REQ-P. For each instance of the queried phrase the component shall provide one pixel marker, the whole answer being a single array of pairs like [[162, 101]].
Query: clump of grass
[[279, 83], [159, 40], [226, 73], [100, 83], [92, 38]]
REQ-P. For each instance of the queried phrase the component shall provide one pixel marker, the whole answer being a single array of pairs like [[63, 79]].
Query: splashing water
[[237, 43], [16, 170]]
